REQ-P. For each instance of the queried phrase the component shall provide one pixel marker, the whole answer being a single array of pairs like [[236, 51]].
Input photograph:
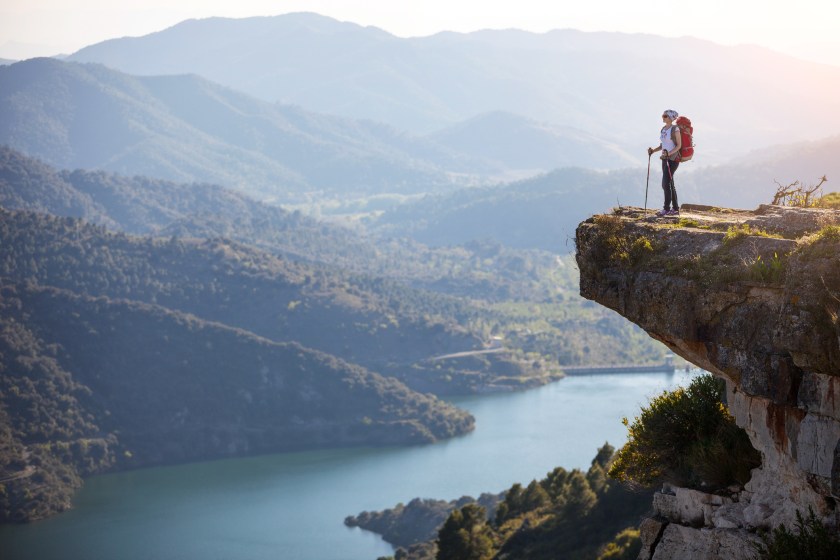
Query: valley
[[262, 275]]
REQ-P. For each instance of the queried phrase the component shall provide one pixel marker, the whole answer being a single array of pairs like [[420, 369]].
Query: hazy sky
[[805, 28]]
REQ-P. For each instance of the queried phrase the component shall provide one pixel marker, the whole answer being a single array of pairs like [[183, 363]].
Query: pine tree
[[580, 499], [465, 535]]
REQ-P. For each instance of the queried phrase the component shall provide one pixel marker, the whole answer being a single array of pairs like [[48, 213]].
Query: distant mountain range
[[610, 85], [185, 128]]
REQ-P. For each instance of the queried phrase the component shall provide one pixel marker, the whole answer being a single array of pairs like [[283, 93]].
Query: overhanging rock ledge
[[754, 298]]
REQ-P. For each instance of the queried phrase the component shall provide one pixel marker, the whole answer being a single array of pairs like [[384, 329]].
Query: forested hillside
[[90, 384], [364, 320], [527, 296], [249, 329], [140, 205]]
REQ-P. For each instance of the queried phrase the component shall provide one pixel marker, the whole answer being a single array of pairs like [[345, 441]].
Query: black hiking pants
[[668, 169]]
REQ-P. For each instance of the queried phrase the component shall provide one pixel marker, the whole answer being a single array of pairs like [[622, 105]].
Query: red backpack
[[686, 134]]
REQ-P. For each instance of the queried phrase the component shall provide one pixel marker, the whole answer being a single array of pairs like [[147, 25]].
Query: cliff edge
[[753, 297]]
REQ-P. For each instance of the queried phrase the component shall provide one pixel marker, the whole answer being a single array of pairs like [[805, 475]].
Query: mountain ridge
[[89, 116], [604, 83]]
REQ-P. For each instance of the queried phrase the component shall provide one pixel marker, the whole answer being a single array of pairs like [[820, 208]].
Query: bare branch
[[795, 194]]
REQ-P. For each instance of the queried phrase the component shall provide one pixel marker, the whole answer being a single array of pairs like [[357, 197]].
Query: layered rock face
[[760, 312]]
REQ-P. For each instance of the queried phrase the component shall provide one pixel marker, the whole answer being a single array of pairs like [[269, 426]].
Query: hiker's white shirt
[[665, 139]]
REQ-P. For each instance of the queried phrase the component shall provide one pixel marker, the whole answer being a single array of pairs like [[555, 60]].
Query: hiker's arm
[[656, 149]]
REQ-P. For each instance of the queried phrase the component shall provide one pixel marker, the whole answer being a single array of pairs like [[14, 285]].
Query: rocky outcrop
[[754, 298]]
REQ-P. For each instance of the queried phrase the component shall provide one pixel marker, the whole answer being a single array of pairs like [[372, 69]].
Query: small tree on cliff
[[686, 437]]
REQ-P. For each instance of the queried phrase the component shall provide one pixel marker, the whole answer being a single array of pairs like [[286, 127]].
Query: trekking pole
[[647, 182]]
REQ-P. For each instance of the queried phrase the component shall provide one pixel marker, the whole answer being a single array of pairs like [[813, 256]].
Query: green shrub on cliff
[[768, 271], [625, 546], [742, 231], [829, 200], [821, 245], [686, 437], [810, 539], [828, 234], [614, 245]]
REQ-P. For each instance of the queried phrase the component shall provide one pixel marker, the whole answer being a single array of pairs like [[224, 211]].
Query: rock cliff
[[754, 298]]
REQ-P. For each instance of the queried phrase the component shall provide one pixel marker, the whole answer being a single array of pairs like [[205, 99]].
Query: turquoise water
[[292, 506]]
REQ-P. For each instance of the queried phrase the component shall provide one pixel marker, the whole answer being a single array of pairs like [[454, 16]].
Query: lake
[[291, 506]]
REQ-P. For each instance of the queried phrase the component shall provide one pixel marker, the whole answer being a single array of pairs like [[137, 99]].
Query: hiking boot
[[674, 212], [662, 213]]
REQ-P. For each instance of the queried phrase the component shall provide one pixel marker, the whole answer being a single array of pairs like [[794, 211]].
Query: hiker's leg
[[666, 183], [674, 165]]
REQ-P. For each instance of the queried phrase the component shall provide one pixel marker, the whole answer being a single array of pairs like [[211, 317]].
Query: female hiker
[[670, 144]]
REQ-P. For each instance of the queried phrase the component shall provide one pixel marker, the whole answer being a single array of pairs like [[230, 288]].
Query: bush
[[614, 246], [625, 546], [767, 271], [830, 200], [688, 438], [810, 540], [822, 244], [828, 234], [742, 231]]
